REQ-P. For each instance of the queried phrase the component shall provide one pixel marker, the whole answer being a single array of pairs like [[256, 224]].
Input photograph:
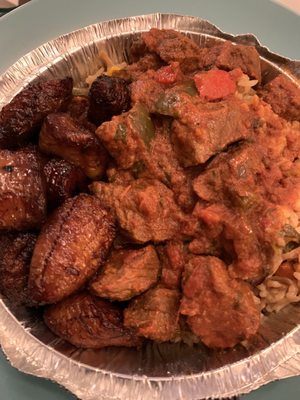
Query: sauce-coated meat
[[127, 273], [171, 45], [283, 96], [154, 314], [145, 209], [229, 56], [22, 190], [172, 257], [174, 46], [71, 247], [23, 116], [16, 251], [219, 309], [89, 322], [128, 137], [199, 129], [202, 131]]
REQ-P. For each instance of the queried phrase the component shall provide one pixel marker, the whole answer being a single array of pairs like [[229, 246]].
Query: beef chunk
[[147, 91], [64, 137], [229, 56], [72, 245], [22, 190], [173, 259], [154, 314], [174, 46], [202, 130], [221, 311], [250, 258], [89, 322], [16, 251], [160, 163], [128, 136], [283, 96], [137, 70], [127, 273], [63, 180], [108, 96], [170, 45], [232, 177], [145, 209], [25, 113]]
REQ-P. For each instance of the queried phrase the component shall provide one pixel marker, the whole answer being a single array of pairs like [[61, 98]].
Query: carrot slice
[[215, 84], [168, 74]]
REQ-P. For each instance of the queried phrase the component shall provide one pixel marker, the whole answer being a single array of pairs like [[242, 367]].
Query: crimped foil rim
[[30, 355]]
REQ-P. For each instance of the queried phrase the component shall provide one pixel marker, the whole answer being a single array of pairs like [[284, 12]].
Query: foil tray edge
[[28, 354]]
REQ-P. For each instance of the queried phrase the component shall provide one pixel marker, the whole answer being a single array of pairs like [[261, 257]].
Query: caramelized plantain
[[23, 116], [22, 190], [72, 245], [62, 136], [16, 251], [89, 322], [108, 96], [63, 180]]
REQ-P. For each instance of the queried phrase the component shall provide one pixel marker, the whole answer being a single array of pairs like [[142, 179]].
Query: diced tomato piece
[[285, 270], [169, 74], [214, 84]]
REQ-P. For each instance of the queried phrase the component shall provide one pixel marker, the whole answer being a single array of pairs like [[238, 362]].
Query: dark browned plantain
[[72, 245], [62, 136], [16, 251], [22, 190], [22, 117], [63, 180], [108, 96], [89, 322]]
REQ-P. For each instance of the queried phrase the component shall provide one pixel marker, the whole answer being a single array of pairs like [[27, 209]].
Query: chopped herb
[[137, 168], [256, 123], [8, 168], [121, 133], [143, 124], [290, 246], [166, 105], [188, 87], [167, 180]]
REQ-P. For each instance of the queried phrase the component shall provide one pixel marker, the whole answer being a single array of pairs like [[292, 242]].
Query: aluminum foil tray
[[165, 371]]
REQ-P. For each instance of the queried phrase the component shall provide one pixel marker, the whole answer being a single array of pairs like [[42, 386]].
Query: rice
[[245, 89], [108, 67], [276, 292]]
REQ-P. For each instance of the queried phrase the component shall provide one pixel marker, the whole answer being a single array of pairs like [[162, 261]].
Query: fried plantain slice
[[72, 245], [89, 322]]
